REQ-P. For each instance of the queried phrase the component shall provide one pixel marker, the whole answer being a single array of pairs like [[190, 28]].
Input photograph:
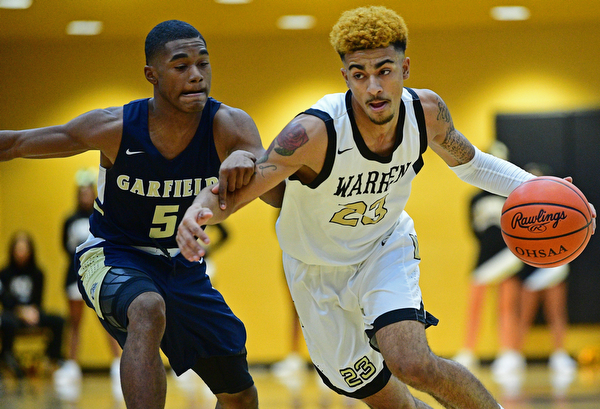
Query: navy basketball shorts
[[202, 333]]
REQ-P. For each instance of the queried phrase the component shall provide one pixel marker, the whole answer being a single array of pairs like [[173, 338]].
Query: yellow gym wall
[[514, 68]]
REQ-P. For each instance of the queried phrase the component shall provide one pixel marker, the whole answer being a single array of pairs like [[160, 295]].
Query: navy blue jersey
[[143, 196]]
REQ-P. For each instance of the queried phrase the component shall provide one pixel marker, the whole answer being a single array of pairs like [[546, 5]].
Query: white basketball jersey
[[358, 197]]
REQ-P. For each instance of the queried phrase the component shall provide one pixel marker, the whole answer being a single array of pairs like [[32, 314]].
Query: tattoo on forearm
[[290, 139], [454, 142], [263, 168], [457, 146], [266, 155]]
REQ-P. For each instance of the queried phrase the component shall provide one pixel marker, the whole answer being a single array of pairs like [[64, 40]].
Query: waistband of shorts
[[158, 252]]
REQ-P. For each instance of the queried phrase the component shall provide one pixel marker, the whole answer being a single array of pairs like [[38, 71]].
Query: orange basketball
[[546, 222]]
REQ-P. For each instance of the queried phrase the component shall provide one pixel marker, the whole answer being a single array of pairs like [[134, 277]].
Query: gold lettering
[[212, 181], [197, 186], [177, 188], [138, 187], [167, 188], [153, 187], [123, 182]]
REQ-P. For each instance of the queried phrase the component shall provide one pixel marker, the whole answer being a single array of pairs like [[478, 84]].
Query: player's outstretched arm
[[94, 130]]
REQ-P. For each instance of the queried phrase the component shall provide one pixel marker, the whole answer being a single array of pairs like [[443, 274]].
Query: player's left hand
[[236, 171]]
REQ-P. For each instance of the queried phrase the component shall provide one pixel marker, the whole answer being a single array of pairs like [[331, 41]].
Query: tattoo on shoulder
[[443, 113], [286, 143], [290, 139]]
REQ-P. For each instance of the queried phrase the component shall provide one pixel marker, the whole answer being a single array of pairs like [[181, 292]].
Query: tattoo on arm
[[263, 168], [286, 143], [454, 142], [443, 113], [290, 139]]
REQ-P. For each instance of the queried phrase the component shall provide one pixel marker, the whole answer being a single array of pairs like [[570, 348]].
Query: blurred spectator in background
[[75, 231], [495, 265], [22, 284]]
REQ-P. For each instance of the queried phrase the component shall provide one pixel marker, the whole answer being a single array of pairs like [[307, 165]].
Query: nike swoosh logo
[[345, 150], [128, 152]]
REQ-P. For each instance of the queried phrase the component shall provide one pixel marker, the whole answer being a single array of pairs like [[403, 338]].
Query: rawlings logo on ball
[[546, 222], [537, 224]]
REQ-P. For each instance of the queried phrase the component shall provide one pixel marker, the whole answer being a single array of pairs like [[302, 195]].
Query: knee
[[414, 370], [147, 312], [246, 399]]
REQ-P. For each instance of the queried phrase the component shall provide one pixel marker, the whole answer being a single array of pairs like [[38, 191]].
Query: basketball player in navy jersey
[[350, 252], [156, 155]]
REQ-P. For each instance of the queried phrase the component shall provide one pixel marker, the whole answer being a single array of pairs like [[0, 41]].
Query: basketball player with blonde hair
[[350, 251]]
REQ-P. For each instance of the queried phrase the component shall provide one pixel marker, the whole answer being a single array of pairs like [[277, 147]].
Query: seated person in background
[[22, 284]]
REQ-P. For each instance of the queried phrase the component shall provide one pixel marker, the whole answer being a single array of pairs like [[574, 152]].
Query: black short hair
[[166, 31]]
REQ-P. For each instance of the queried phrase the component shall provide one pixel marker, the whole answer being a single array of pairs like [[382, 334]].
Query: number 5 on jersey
[[165, 220]]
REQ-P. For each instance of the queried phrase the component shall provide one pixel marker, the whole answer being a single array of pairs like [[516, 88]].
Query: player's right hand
[[190, 233], [236, 171]]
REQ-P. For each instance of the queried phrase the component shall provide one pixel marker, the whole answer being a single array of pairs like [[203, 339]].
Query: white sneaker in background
[[508, 371], [291, 365], [561, 362], [466, 358], [563, 370], [509, 363], [115, 379], [69, 372], [67, 381]]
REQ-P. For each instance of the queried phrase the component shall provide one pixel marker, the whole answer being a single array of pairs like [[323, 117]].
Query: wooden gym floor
[[302, 392]]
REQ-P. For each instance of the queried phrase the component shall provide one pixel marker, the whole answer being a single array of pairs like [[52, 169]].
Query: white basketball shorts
[[341, 308]]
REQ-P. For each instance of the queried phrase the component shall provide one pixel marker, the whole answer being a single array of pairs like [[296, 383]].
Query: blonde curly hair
[[368, 28]]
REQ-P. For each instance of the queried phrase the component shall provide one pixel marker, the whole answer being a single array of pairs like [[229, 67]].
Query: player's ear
[[345, 75], [406, 68], [150, 75]]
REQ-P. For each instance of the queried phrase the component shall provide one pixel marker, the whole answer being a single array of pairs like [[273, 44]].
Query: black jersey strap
[[420, 116], [331, 147]]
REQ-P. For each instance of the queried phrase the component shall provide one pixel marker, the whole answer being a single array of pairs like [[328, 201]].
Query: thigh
[[388, 284], [332, 324]]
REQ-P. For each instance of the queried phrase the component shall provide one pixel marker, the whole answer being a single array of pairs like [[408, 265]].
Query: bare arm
[[95, 130], [443, 138], [299, 148], [238, 144]]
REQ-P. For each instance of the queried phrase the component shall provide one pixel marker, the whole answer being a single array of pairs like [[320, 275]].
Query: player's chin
[[193, 104]]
